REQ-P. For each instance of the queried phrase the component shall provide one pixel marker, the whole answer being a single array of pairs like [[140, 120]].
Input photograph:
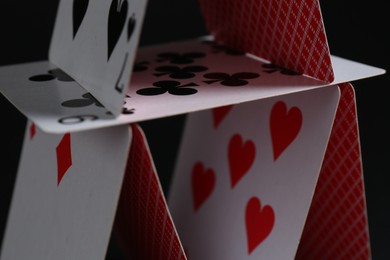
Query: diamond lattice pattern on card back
[[143, 223], [288, 33], [337, 225]]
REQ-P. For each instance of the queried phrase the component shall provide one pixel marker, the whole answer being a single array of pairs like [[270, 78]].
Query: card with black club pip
[[167, 79], [95, 42], [269, 165]]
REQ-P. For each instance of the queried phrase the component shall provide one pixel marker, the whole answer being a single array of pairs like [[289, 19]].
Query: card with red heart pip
[[246, 183], [269, 166]]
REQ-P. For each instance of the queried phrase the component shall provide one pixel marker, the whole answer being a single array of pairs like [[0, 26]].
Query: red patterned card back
[[337, 225], [288, 33], [143, 223]]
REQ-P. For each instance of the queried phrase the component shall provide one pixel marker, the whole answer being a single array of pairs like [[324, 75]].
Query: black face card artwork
[[79, 10], [116, 22]]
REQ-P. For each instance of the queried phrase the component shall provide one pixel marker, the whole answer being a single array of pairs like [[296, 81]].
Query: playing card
[[337, 224], [95, 42], [51, 98], [168, 79], [193, 75], [288, 33], [143, 223], [243, 184], [66, 193]]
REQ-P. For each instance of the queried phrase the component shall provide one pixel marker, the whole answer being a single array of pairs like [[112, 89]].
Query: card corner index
[[95, 42]]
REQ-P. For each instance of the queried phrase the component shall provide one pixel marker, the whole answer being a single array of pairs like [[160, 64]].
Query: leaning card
[[288, 33], [143, 223], [95, 42], [337, 223], [66, 194], [246, 175]]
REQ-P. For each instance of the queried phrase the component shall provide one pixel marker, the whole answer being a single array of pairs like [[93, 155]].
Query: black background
[[357, 30]]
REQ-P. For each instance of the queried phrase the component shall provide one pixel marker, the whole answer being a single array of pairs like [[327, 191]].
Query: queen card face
[[96, 42]]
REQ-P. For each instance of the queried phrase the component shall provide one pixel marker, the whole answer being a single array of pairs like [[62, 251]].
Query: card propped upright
[[90, 86], [293, 164], [288, 33], [95, 42]]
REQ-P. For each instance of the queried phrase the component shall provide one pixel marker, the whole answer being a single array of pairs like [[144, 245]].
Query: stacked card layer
[[168, 79]]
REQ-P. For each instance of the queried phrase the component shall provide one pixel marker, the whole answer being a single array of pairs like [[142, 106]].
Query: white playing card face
[[193, 75], [168, 79], [95, 42], [246, 175], [52, 99], [66, 193]]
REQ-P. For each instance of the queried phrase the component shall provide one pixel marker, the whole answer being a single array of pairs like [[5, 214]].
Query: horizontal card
[[168, 79]]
